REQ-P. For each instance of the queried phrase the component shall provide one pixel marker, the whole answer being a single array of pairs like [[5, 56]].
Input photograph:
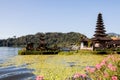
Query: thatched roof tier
[[100, 35], [102, 39], [84, 40], [102, 31], [100, 27]]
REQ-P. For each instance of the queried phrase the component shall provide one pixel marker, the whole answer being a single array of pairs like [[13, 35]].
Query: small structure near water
[[86, 44]]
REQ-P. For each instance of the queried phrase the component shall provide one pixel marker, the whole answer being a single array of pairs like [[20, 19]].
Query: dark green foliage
[[52, 39], [101, 52], [66, 53], [21, 52], [106, 51], [63, 39], [118, 50]]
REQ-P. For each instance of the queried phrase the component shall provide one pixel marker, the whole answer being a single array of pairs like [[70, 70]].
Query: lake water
[[7, 52], [12, 72]]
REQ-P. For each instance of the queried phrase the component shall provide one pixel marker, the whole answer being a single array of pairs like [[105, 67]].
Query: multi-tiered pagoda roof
[[100, 30]]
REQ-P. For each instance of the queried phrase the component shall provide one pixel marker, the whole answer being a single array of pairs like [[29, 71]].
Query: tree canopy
[[51, 38]]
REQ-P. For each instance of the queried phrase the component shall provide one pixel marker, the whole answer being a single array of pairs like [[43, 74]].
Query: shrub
[[29, 52], [22, 52], [103, 52], [66, 52], [107, 69]]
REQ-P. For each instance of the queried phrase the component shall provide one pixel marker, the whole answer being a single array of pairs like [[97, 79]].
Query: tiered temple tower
[[100, 38], [100, 30]]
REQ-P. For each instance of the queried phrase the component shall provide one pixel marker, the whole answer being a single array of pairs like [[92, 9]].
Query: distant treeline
[[51, 39]]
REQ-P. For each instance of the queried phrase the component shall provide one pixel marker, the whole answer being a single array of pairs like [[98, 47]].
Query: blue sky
[[22, 17]]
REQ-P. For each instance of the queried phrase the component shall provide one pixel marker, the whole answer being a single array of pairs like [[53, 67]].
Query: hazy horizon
[[23, 17]]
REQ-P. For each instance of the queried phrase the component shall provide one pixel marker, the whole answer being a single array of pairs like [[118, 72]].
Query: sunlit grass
[[56, 67]]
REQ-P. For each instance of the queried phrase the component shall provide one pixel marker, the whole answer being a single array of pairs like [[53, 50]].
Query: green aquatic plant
[[57, 67]]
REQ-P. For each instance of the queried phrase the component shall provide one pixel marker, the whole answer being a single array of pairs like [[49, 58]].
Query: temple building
[[114, 44], [101, 41], [86, 44]]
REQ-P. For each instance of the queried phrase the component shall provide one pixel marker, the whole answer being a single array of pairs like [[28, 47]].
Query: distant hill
[[51, 38], [113, 35]]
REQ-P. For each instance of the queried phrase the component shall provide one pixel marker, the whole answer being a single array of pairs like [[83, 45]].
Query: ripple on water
[[16, 73]]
